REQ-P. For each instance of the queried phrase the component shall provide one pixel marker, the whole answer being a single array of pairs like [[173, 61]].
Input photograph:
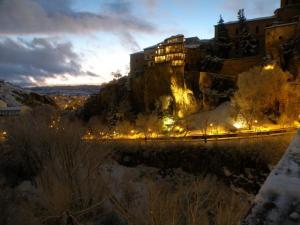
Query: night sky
[[68, 42]]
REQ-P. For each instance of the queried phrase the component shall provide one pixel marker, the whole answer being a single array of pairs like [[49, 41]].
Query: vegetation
[[223, 42], [51, 176], [267, 94], [248, 45]]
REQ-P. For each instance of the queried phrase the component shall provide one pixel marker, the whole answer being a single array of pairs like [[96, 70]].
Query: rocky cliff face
[[161, 89]]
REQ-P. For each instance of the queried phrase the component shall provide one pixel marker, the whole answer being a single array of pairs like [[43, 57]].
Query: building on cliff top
[[269, 33]]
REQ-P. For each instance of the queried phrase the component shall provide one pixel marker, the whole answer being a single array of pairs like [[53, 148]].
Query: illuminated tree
[[124, 127], [148, 124], [98, 128], [260, 93]]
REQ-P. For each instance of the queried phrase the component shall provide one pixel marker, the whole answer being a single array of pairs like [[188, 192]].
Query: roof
[[151, 47], [251, 20], [206, 41], [137, 53], [192, 40], [282, 25], [174, 36]]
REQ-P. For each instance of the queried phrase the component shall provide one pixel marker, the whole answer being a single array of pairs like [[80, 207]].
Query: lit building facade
[[269, 32], [171, 51]]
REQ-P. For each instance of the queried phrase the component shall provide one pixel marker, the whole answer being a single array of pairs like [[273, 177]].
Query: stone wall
[[137, 62], [277, 35], [235, 66], [288, 13], [256, 29]]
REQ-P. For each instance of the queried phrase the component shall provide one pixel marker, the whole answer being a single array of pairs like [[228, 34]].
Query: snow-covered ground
[[278, 202]]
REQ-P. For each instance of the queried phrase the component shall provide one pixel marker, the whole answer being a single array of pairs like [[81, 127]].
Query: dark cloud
[[151, 3], [32, 17], [117, 6], [128, 41], [45, 17], [253, 7], [39, 59]]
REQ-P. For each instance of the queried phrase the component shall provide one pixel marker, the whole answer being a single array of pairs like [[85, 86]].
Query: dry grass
[[205, 202], [68, 187], [63, 168]]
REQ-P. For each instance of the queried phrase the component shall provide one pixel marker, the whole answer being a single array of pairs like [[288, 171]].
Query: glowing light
[[239, 124], [211, 125], [269, 67], [255, 121], [297, 124], [179, 129], [168, 122], [184, 98]]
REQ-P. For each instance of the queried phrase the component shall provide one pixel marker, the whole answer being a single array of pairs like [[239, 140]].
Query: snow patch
[[278, 201]]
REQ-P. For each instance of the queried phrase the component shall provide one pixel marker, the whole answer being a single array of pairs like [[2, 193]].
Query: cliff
[[163, 90]]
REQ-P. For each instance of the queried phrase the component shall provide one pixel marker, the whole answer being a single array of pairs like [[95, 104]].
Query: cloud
[[34, 17], [22, 61], [253, 7], [151, 3]]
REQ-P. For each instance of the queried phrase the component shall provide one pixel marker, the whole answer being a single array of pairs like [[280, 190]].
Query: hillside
[[14, 96], [78, 90]]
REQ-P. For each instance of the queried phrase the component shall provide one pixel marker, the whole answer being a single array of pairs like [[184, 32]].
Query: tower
[[289, 11], [285, 3]]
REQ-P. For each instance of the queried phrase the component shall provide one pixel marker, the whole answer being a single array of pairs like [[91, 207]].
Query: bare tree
[[148, 124], [116, 75]]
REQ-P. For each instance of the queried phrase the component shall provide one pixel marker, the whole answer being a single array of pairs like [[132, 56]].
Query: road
[[220, 137]]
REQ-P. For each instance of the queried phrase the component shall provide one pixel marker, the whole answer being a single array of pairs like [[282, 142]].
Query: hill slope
[[14, 96]]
